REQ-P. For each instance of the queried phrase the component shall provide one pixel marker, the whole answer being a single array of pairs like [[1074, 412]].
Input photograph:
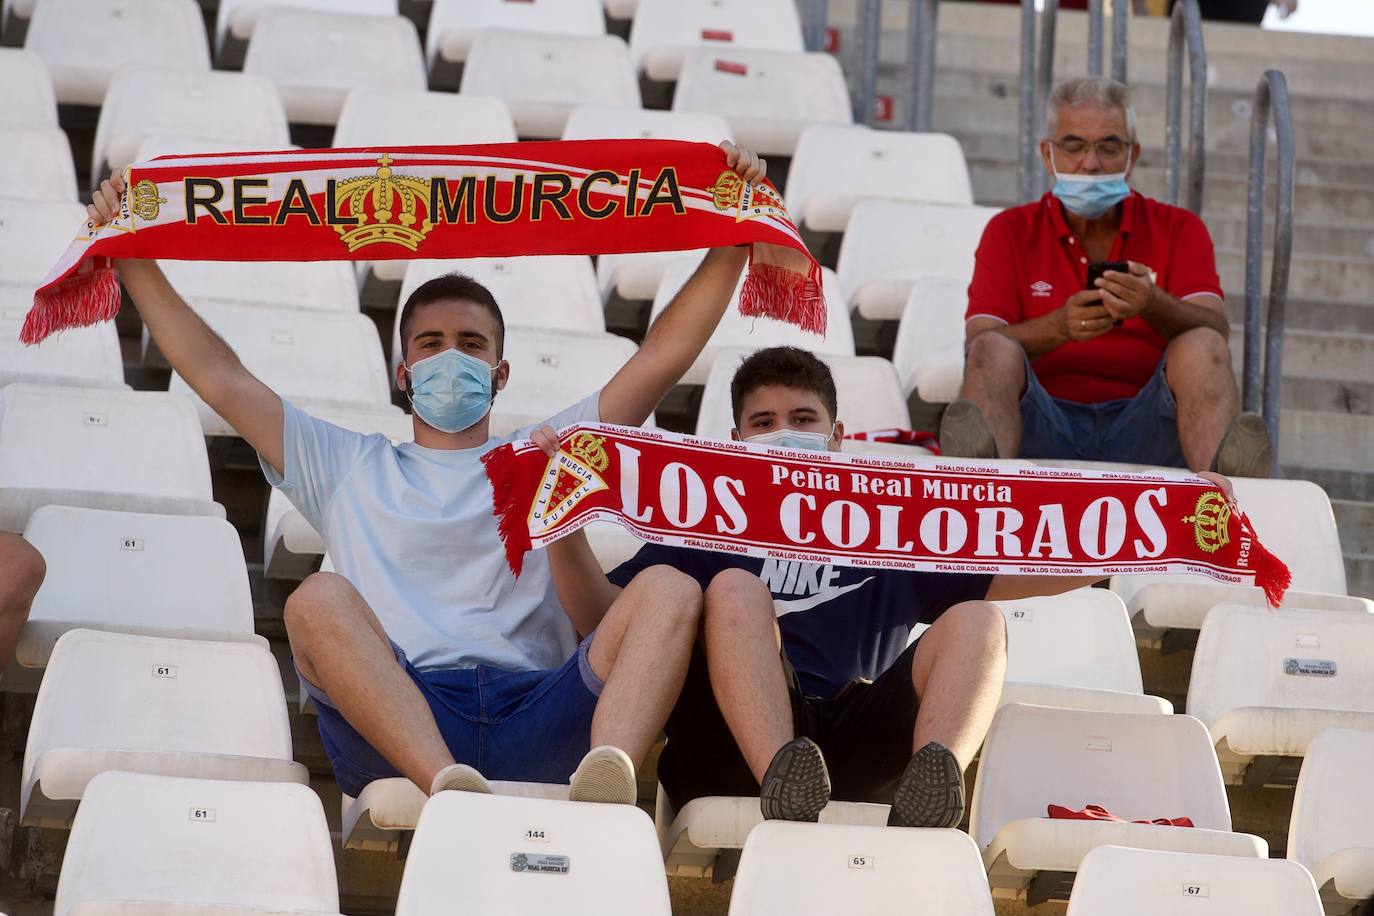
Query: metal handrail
[[815, 15], [922, 26], [1271, 93], [1119, 19], [1036, 78], [866, 38], [1185, 27]]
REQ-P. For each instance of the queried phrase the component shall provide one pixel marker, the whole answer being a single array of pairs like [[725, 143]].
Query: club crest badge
[[1211, 519], [570, 477], [752, 201]]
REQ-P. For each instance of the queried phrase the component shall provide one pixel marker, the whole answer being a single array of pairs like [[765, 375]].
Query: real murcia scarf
[[922, 514], [498, 200]]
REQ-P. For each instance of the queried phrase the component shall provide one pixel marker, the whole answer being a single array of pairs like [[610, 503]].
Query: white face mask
[[794, 438]]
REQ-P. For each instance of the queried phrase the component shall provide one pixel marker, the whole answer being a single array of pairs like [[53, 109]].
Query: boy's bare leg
[[21, 575]]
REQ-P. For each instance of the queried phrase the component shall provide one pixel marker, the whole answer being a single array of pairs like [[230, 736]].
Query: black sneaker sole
[[797, 784], [931, 791]]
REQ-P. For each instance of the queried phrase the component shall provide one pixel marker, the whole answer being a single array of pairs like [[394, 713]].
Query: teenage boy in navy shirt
[[804, 687]]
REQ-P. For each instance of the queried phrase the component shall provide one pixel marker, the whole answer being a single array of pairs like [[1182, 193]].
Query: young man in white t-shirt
[[425, 656]]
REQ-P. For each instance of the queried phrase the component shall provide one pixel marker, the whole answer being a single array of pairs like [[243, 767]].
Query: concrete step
[[1310, 314], [1310, 275], [1317, 125], [1326, 439], [1324, 355], [1359, 575], [986, 37], [1350, 484], [1355, 520]]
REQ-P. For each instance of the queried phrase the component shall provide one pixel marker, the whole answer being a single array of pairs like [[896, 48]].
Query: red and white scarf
[[495, 200], [931, 514]]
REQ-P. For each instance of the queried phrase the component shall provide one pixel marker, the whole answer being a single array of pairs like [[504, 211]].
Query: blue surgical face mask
[[794, 438], [451, 390], [1090, 196]]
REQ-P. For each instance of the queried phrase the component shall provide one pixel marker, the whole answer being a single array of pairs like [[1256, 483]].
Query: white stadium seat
[[929, 351], [158, 844], [134, 451], [889, 244], [131, 572], [554, 292], [85, 42], [403, 117], [33, 235], [532, 856], [237, 19], [836, 166], [316, 57], [142, 704], [870, 396], [636, 276], [735, 330], [1076, 651], [859, 871], [145, 101], [84, 357], [1293, 518], [1265, 682], [387, 809], [551, 370], [544, 77], [1331, 831], [315, 360], [454, 23], [173, 144], [1118, 881], [290, 546], [1137, 766], [693, 839], [600, 122], [664, 31], [769, 97], [38, 164], [29, 100], [325, 285]]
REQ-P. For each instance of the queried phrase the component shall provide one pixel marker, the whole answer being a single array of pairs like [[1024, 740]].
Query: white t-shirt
[[412, 529]]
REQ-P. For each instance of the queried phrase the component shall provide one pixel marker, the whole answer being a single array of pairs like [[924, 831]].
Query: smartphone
[[1097, 268]]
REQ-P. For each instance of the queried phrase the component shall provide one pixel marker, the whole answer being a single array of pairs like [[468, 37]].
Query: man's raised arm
[[676, 339], [195, 351]]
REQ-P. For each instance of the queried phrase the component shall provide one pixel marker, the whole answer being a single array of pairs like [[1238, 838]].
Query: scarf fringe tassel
[[510, 522], [80, 300], [770, 291]]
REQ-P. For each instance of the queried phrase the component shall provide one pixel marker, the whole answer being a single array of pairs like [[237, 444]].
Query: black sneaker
[[931, 791], [797, 784], [964, 432], [1246, 449]]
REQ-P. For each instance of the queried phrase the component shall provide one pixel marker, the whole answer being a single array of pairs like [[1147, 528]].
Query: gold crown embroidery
[[146, 205], [1211, 518], [590, 450], [395, 200]]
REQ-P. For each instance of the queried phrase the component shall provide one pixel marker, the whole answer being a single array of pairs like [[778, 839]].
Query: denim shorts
[[524, 726], [1140, 430]]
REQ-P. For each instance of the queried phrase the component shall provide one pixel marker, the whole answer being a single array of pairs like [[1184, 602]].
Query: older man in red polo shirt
[[1133, 368]]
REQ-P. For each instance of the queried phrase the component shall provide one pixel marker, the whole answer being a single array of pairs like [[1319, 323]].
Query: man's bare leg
[[341, 647], [21, 574], [1197, 367], [957, 671], [641, 651], [742, 645], [742, 656], [994, 380]]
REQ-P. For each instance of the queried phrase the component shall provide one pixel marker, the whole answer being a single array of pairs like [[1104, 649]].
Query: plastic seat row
[[245, 848]]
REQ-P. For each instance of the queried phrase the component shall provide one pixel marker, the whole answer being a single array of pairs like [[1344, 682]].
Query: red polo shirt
[[1029, 263]]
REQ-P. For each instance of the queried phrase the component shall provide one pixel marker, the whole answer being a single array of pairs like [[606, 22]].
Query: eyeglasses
[[1108, 148]]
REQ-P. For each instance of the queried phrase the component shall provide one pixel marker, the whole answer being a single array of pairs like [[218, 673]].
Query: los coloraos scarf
[[929, 514], [496, 200]]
